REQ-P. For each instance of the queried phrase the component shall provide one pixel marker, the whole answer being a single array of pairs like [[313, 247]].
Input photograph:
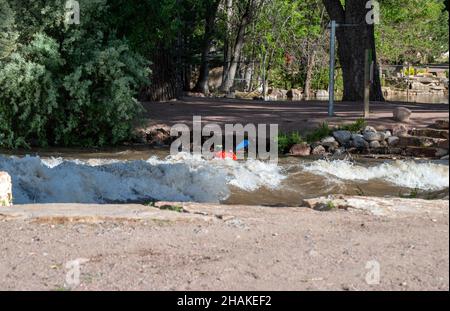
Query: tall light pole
[[332, 65]]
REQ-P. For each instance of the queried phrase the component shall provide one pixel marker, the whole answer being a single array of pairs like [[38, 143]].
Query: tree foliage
[[68, 84], [412, 30]]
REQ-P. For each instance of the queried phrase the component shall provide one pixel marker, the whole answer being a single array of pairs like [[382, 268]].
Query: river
[[143, 174]]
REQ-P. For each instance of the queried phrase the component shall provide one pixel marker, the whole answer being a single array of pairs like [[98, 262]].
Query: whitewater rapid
[[408, 174], [190, 178], [175, 178]]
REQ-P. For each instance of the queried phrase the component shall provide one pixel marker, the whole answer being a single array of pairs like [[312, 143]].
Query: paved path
[[289, 115]]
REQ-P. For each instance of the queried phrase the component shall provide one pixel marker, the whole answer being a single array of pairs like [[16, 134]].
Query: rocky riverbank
[[421, 129], [429, 142]]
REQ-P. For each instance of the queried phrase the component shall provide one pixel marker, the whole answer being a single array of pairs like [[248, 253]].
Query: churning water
[[190, 178]]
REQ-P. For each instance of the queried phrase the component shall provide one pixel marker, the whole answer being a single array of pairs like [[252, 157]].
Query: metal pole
[[367, 72], [407, 85], [264, 77], [332, 62]]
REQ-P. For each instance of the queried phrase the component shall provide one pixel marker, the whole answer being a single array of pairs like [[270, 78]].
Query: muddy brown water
[[299, 183]]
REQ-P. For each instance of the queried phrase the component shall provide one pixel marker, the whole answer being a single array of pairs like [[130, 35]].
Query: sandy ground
[[290, 115], [222, 248]]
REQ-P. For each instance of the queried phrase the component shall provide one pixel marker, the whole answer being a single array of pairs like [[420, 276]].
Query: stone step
[[428, 152], [443, 144], [440, 124], [429, 132], [421, 141]]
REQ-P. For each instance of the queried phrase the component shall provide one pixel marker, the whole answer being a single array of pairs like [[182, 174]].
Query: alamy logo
[[373, 16], [73, 273], [72, 10], [373, 275], [251, 139]]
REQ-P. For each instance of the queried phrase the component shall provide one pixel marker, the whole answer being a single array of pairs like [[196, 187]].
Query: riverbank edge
[[191, 211]]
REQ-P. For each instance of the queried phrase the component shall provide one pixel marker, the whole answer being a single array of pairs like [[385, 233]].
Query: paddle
[[242, 145]]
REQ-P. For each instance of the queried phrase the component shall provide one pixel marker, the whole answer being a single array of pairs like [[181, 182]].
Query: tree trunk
[[202, 82], [230, 71], [352, 43], [309, 73], [248, 77], [228, 45]]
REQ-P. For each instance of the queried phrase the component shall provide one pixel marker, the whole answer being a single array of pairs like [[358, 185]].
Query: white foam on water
[[176, 178], [409, 174]]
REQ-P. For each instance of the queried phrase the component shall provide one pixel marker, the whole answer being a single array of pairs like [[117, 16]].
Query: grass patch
[[320, 133], [167, 207], [412, 195], [330, 205], [173, 208], [354, 127], [287, 140]]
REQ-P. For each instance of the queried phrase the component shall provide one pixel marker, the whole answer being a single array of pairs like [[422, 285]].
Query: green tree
[[68, 84], [7, 34], [412, 30]]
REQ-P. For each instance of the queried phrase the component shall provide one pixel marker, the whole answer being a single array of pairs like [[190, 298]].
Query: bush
[[286, 141], [27, 101], [323, 131], [7, 34], [100, 104], [69, 85], [354, 127]]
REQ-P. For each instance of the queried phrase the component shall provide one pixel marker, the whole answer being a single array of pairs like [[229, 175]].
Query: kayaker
[[222, 154]]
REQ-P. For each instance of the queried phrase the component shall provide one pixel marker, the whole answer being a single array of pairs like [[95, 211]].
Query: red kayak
[[226, 155]]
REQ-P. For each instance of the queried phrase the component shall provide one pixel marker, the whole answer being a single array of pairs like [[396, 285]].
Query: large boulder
[[370, 129], [319, 150], [276, 94], [402, 114], [359, 142], [322, 94], [330, 143], [373, 136], [5, 189], [294, 94], [375, 144], [343, 137], [393, 141], [159, 135], [300, 150], [400, 130]]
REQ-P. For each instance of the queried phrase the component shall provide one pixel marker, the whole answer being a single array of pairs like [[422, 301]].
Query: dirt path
[[223, 248], [289, 115]]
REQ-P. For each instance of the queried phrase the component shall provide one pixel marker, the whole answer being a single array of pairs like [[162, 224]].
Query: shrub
[[100, 104], [323, 131], [355, 127], [286, 141], [67, 84], [28, 98], [7, 34]]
